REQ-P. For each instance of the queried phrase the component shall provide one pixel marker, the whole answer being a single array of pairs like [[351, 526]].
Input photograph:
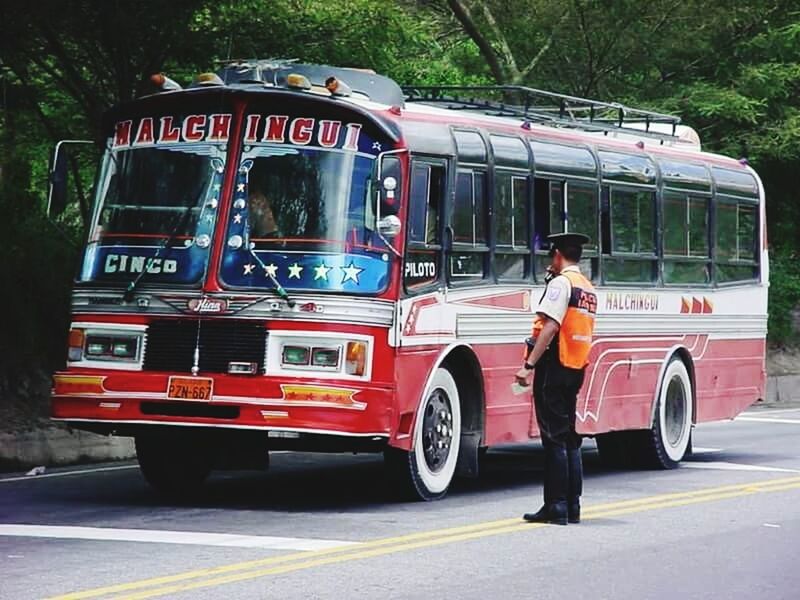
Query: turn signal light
[[75, 344], [356, 360]]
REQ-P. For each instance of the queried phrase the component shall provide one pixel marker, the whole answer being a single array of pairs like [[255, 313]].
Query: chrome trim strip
[[330, 308], [226, 426]]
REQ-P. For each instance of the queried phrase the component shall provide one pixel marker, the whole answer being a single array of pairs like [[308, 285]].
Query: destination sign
[[216, 128]]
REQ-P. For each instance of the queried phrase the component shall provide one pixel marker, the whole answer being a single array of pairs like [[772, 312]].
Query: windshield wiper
[[181, 224], [279, 289]]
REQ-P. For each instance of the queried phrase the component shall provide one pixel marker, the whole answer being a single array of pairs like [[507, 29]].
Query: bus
[[313, 258]]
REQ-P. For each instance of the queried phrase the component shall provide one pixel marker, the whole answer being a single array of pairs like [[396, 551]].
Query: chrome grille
[[171, 343]]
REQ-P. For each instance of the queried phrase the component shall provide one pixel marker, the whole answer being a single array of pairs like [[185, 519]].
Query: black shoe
[[574, 512], [554, 514]]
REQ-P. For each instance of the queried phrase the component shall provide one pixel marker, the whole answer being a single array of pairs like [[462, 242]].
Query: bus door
[[424, 320]]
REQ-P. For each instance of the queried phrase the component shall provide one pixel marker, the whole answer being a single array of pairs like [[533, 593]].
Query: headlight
[[103, 346], [295, 356], [325, 357]]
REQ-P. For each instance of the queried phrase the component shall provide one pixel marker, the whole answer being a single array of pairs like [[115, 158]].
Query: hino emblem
[[207, 305]]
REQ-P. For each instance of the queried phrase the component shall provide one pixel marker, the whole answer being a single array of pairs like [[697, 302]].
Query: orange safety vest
[[575, 333]]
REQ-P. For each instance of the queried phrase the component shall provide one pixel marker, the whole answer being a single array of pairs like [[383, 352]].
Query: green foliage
[[784, 293], [36, 273]]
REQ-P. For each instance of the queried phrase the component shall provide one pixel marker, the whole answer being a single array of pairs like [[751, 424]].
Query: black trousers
[[555, 397]]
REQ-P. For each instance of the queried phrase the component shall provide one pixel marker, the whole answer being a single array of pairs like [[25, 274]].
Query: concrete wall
[[58, 446]]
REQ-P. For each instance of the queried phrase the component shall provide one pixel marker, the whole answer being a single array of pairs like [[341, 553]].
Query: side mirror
[[388, 173], [389, 226], [58, 178]]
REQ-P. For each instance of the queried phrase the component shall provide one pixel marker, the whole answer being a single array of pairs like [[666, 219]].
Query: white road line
[[67, 473], [768, 420], [769, 411], [195, 538], [728, 466]]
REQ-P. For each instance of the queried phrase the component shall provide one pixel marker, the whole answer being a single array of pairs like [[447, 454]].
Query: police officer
[[559, 351]]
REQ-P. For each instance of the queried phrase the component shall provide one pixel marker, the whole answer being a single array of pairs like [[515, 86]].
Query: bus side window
[[424, 224], [512, 242], [633, 256], [582, 217], [548, 215], [468, 256]]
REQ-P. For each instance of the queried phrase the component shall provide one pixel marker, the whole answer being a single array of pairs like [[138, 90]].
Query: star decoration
[[209, 218], [248, 269], [376, 146], [271, 270], [321, 271], [217, 187], [237, 218], [351, 273], [294, 271], [240, 187]]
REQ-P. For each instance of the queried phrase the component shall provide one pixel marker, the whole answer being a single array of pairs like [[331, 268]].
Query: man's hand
[[523, 377]]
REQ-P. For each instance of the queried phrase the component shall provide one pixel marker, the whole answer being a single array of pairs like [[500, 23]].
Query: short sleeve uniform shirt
[[555, 301]]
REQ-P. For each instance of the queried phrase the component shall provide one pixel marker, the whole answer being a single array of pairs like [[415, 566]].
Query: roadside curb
[[782, 389], [52, 446]]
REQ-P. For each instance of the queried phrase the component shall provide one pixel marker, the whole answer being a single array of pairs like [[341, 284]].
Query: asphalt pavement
[[724, 525]]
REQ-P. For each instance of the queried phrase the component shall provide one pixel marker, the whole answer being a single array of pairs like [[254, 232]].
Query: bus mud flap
[[467, 465]]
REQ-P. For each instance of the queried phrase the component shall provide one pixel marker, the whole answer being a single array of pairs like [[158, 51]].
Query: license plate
[[189, 388]]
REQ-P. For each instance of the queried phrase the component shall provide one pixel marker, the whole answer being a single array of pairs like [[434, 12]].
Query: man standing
[[559, 351]]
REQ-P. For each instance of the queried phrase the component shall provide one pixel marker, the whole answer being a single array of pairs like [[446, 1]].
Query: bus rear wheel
[[176, 465], [669, 439], [426, 471]]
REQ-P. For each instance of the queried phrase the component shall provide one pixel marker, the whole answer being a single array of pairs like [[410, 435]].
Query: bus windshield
[[155, 213], [306, 217]]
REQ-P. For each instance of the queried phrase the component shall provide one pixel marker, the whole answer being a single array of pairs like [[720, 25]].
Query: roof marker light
[[295, 80], [164, 83], [208, 79], [640, 145], [337, 88]]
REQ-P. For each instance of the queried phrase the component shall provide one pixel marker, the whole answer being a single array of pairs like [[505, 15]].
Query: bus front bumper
[[124, 402]]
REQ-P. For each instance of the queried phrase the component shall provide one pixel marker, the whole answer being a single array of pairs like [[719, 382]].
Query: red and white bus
[[308, 257]]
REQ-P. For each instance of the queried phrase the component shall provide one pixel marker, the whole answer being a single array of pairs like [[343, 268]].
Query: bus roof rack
[[548, 108]]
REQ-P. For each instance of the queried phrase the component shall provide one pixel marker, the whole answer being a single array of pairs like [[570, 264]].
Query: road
[[724, 525]]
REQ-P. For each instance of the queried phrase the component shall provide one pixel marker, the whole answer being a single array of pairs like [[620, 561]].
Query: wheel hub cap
[[437, 430]]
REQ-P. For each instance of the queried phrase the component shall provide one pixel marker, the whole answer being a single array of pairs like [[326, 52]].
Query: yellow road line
[[691, 494], [305, 560], [281, 559]]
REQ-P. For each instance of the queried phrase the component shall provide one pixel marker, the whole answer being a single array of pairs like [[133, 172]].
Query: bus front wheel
[[427, 470], [176, 465]]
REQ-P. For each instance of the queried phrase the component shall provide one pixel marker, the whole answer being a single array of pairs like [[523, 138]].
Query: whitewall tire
[[670, 435], [427, 470]]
